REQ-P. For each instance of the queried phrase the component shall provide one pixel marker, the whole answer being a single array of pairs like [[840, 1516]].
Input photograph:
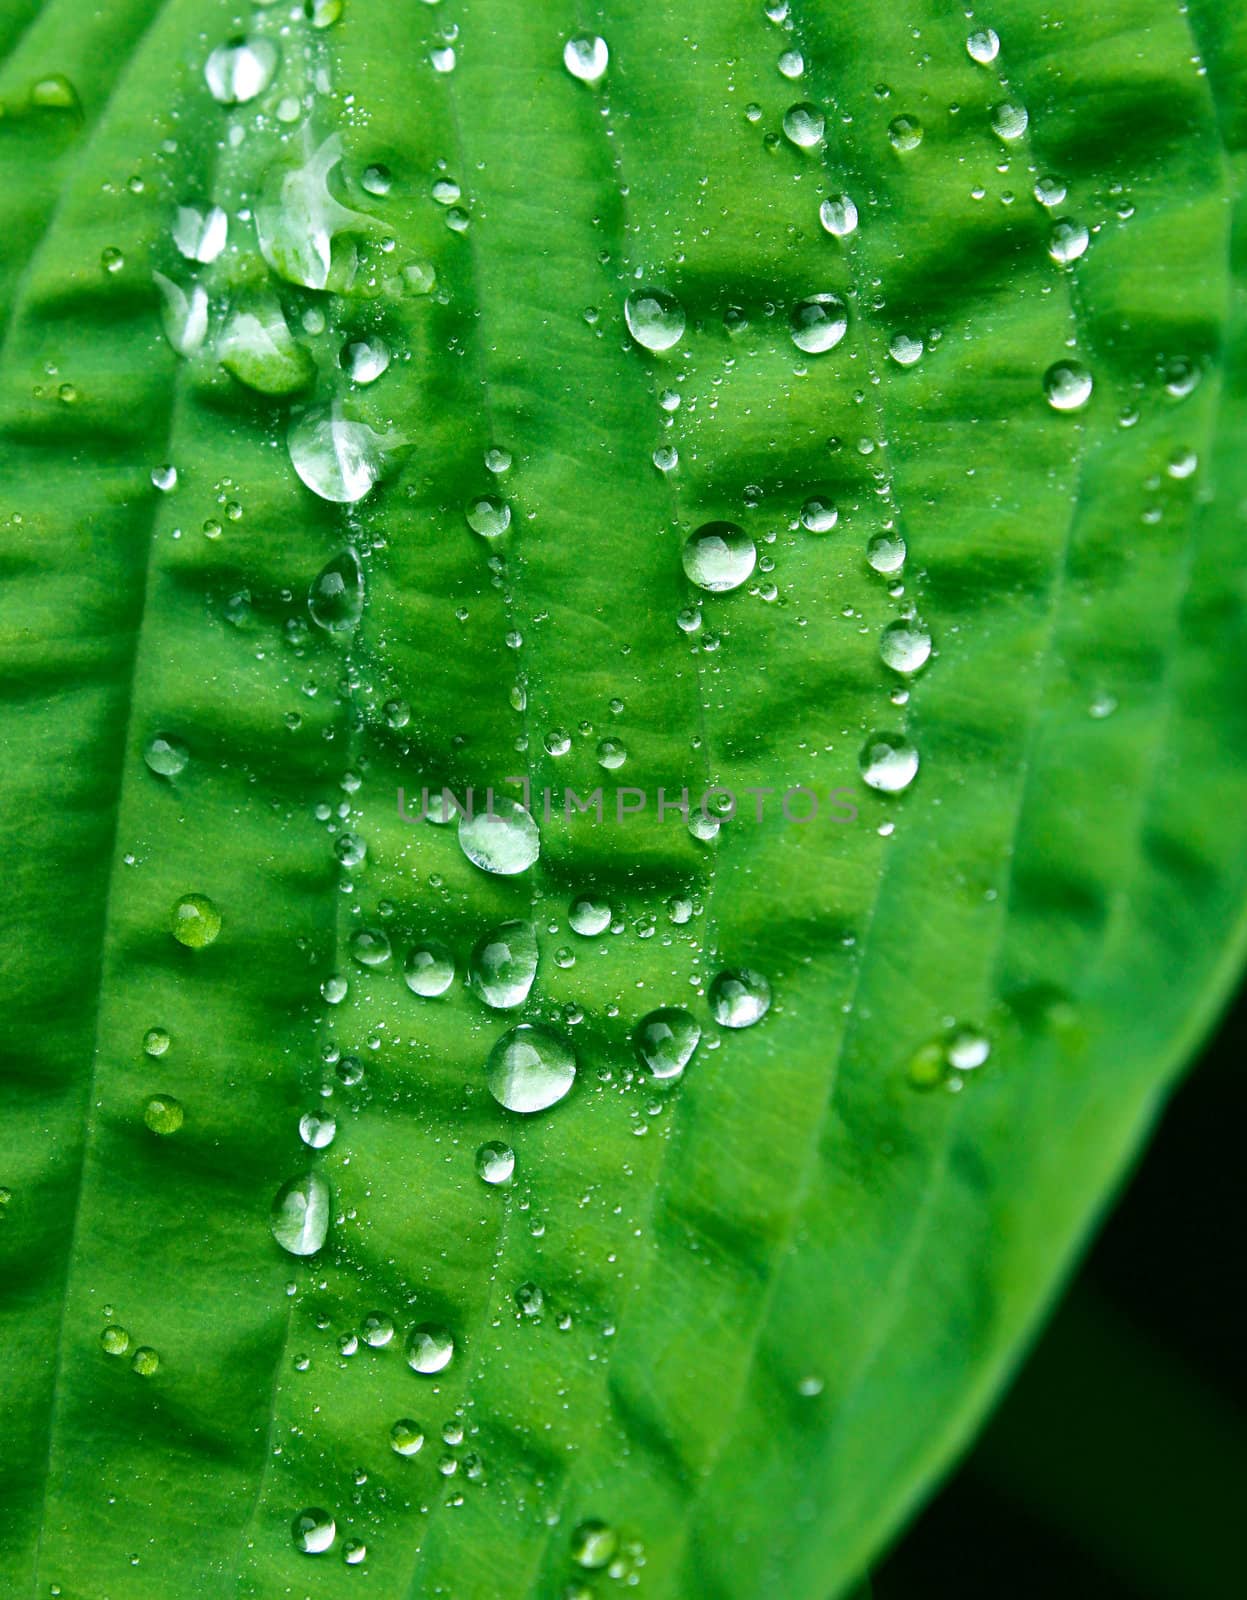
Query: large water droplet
[[183, 315], [166, 755], [298, 219], [163, 1114], [1068, 385], [200, 235], [838, 215], [719, 556], [984, 46], [819, 515], [905, 646], [335, 598], [504, 840], [313, 1531], [1068, 241], [300, 1214], [665, 1041], [739, 997], [803, 125], [589, 916], [495, 1162], [888, 762], [257, 347], [530, 1069], [406, 1437], [365, 360], [429, 969], [370, 947], [1009, 121], [819, 323], [317, 1132], [430, 1348], [503, 965], [655, 319], [904, 134], [196, 922], [489, 516], [240, 70], [338, 460], [586, 58]]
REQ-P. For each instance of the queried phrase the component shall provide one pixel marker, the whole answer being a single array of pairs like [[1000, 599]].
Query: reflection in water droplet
[[905, 349], [300, 1214], [594, 1545], [377, 180], [430, 1348], [720, 556], [196, 921], [313, 1531], [165, 478], [818, 323], [406, 1437], [739, 997], [888, 762], [335, 599], [377, 1330], [200, 235], [530, 1069], [905, 646], [495, 1162], [838, 215], [163, 1114], [586, 58], [145, 1362], [1068, 385], [504, 841], [655, 319], [503, 965], [803, 125], [337, 459], [242, 69], [665, 1041], [429, 969], [317, 1132], [166, 755]]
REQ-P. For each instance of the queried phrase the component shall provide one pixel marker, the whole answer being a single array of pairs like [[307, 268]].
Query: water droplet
[[738, 998], [967, 1048], [112, 259], [163, 1114], [430, 1348], [904, 134], [1182, 377], [241, 70], [300, 1214], [200, 235], [317, 1132], [488, 516], [165, 478], [354, 1552], [905, 646], [905, 349], [594, 1545], [886, 552], [350, 849], [155, 1041], [337, 459], [818, 515], [364, 360], [1068, 385], [335, 597], [503, 965], [655, 319], [370, 947], [530, 1069], [183, 316], [1067, 241], [495, 1162], [529, 1299], [838, 215], [503, 840], [377, 180], [888, 763], [314, 1531], [377, 1330], [166, 756], [257, 347], [819, 323], [196, 921], [1182, 464], [114, 1341], [665, 1041], [298, 219], [429, 969], [666, 458], [791, 64], [586, 58], [406, 1437], [720, 556], [803, 125], [322, 13], [588, 916], [1049, 192], [1009, 121], [984, 46], [145, 1362], [56, 93], [611, 754]]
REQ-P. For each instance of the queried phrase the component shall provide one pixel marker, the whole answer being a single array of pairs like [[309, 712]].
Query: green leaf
[[740, 1317]]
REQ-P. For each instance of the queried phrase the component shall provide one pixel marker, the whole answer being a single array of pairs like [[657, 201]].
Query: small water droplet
[[1049, 192], [665, 1041], [166, 756], [406, 1437], [967, 1048], [791, 64], [611, 755], [904, 134], [504, 840], [430, 1348], [586, 57], [145, 1362], [377, 1330], [818, 323], [838, 215], [905, 349], [1067, 241], [888, 762], [655, 319], [370, 947], [429, 969], [377, 180], [594, 1544], [365, 360], [739, 997], [155, 1042], [165, 478], [196, 922], [1068, 385], [719, 557], [905, 646], [163, 1114], [984, 46], [489, 516], [503, 965], [200, 235], [114, 1341], [335, 599], [886, 552], [241, 70], [530, 1069], [495, 1162], [1009, 121], [819, 515], [317, 1131], [313, 1531], [803, 125], [354, 1552], [589, 916], [300, 1214]]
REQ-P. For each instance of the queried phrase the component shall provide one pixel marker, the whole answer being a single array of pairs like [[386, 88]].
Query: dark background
[[1116, 1466]]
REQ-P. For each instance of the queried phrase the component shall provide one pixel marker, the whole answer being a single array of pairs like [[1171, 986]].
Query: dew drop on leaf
[[406, 1437], [803, 125], [1068, 241], [905, 646], [257, 347], [370, 947], [489, 516], [377, 1330], [886, 552], [838, 215], [819, 515], [430, 1348], [365, 360], [904, 134], [335, 600], [313, 1531], [665, 1041], [905, 349], [586, 57], [241, 70], [184, 316], [166, 756], [530, 1069], [818, 323], [495, 1162], [196, 922], [155, 1042], [594, 1545], [968, 1048], [504, 841], [145, 1362], [114, 1341], [739, 997], [503, 965], [720, 556], [354, 1552], [655, 319], [588, 916], [429, 969], [317, 1132], [163, 1114], [888, 762], [200, 235], [1009, 121], [984, 46], [165, 478], [337, 459], [300, 1214], [1068, 385]]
